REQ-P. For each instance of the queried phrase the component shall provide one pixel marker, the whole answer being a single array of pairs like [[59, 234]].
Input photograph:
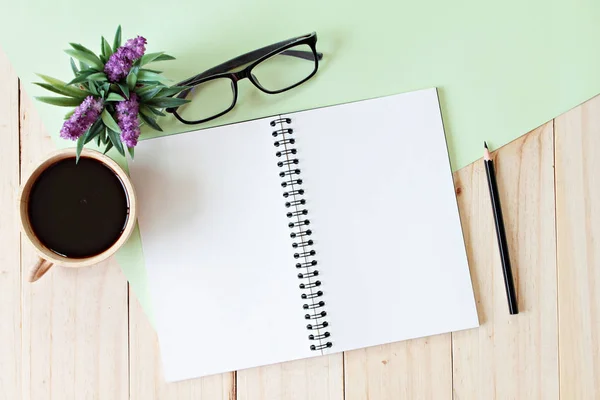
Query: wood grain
[[319, 378], [74, 320], [146, 376], [511, 357], [65, 337], [578, 244], [10, 265], [415, 369]]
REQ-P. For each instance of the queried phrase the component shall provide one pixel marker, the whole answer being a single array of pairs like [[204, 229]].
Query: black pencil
[[500, 233]]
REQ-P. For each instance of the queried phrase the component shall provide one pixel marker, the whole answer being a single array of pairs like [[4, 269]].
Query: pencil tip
[[486, 153]]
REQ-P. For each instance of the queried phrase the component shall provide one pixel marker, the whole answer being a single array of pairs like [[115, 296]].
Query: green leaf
[[51, 88], [164, 57], [132, 78], [89, 71], [88, 58], [64, 90], [115, 97], [98, 77], [110, 122], [146, 88], [94, 131], [60, 101], [83, 49], [83, 66], [146, 111], [93, 88], [105, 89], [95, 135], [51, 80], [98, 140], [81, 76], [117, 41], [103, 138], [145, 75], [131, 151], [116, 141], [124, 89], [87, 136], [80, 143], [150, 94], [150, 111], [73, 66], [151, 82], [140, 91], [165, 102], [172, 90], [150, 121], [109, 146], [151, 70], [61, 87], [79, 79], [106, 49], [148, 58], [155, 111]]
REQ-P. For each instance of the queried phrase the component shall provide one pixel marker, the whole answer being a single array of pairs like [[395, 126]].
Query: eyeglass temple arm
[[249, 57]]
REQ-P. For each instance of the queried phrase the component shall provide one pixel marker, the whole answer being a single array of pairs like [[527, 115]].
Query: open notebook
[[302, 234]]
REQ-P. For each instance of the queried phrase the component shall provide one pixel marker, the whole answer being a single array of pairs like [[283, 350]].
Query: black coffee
[[78, 210]]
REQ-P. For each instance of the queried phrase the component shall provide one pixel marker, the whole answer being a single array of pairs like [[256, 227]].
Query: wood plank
[[511, 357], [74, 320], [10, 254], [146, 376], [414, 369], [578, 230], [313, 378]]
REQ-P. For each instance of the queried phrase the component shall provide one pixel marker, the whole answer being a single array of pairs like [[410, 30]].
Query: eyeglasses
[[273, 69]]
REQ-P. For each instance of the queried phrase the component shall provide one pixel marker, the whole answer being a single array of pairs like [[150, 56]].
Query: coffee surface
[[78, 210]]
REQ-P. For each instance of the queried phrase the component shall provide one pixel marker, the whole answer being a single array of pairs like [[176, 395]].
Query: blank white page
[[385, 222], [217, 251]]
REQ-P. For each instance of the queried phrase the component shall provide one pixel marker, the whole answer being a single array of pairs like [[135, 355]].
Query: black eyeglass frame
[[255, 58]]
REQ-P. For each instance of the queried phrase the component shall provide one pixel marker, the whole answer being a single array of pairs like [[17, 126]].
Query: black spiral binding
[[301, 235]]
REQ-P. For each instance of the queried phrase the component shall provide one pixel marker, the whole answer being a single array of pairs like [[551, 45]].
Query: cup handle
[[39, 269]]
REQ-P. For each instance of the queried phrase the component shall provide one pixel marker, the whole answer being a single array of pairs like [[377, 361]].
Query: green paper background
[[502, 68]]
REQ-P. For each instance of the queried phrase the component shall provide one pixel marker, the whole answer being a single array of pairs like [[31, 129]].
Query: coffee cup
[[76, 214]]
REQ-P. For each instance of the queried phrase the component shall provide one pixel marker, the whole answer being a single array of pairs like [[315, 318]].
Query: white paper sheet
[[391, 255], [381, 202], [215, 240]]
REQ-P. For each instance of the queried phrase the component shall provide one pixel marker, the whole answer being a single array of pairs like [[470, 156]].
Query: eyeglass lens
[[286, 68], [208, 99], [276, 73]]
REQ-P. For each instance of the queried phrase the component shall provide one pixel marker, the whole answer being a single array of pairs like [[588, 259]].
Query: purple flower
[[127, 119], [84, 116], [137, 47], [119, 64]]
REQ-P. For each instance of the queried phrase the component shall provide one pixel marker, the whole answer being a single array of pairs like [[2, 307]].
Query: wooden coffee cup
[[48, 258]]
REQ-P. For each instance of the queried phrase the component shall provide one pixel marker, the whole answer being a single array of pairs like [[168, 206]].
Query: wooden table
[[80, 334]]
